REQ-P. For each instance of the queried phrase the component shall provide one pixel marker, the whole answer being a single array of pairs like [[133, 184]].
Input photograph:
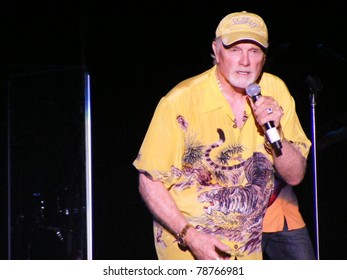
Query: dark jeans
[[288, 245]]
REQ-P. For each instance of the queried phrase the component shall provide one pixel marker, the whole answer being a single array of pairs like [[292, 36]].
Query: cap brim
[[232, 38]]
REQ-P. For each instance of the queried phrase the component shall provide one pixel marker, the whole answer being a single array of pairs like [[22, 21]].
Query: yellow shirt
[[219, 176]]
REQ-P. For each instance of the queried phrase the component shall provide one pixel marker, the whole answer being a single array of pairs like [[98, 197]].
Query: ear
[[264, 59], [214, 48]]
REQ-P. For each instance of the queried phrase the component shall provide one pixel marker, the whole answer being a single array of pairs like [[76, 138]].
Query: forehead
[[244, 44]]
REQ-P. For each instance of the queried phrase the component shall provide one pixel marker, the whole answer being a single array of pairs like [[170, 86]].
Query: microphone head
[[314, 83], [253, 90]]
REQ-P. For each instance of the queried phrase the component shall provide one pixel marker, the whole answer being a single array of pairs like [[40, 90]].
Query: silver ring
[[269, 111]]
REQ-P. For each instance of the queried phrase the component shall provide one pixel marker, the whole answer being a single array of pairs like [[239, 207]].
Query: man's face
[[240, 64]]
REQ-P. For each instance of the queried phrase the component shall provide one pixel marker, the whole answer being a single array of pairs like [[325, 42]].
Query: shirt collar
[[213, 99]]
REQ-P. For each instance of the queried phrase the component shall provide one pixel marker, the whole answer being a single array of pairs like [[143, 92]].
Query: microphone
[[253, 90], [314, 83], [316, 86]]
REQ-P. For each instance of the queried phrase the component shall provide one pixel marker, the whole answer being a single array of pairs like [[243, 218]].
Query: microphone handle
[[256, 97], [273, 137], [271, 132]]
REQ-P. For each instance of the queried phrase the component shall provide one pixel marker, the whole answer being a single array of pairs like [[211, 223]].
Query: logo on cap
[[242, 26]]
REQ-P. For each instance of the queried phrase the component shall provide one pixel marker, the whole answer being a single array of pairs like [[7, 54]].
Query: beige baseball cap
[[242, 26]]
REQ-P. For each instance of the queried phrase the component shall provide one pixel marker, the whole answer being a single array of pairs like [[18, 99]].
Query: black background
[[135, 52]]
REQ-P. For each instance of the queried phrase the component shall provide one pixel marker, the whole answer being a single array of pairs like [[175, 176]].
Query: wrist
[[181, 236]]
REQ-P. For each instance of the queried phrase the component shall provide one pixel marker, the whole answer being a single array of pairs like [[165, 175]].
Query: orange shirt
[[285, 205]]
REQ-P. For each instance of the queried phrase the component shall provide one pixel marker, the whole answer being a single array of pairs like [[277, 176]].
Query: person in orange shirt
[[285, 235]]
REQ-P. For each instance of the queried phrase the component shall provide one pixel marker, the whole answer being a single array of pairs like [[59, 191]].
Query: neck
[[236, 100]]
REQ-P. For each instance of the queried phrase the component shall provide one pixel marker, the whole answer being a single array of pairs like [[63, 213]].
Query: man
[[206, 168]]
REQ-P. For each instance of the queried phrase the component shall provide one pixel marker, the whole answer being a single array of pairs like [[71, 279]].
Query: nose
[[244, 59]]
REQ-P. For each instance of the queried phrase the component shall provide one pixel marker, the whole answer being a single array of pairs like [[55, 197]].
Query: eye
[[255, 52], [235, 51]]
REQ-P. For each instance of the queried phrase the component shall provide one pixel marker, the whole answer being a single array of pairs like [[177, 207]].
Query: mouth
[[243, 72]]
